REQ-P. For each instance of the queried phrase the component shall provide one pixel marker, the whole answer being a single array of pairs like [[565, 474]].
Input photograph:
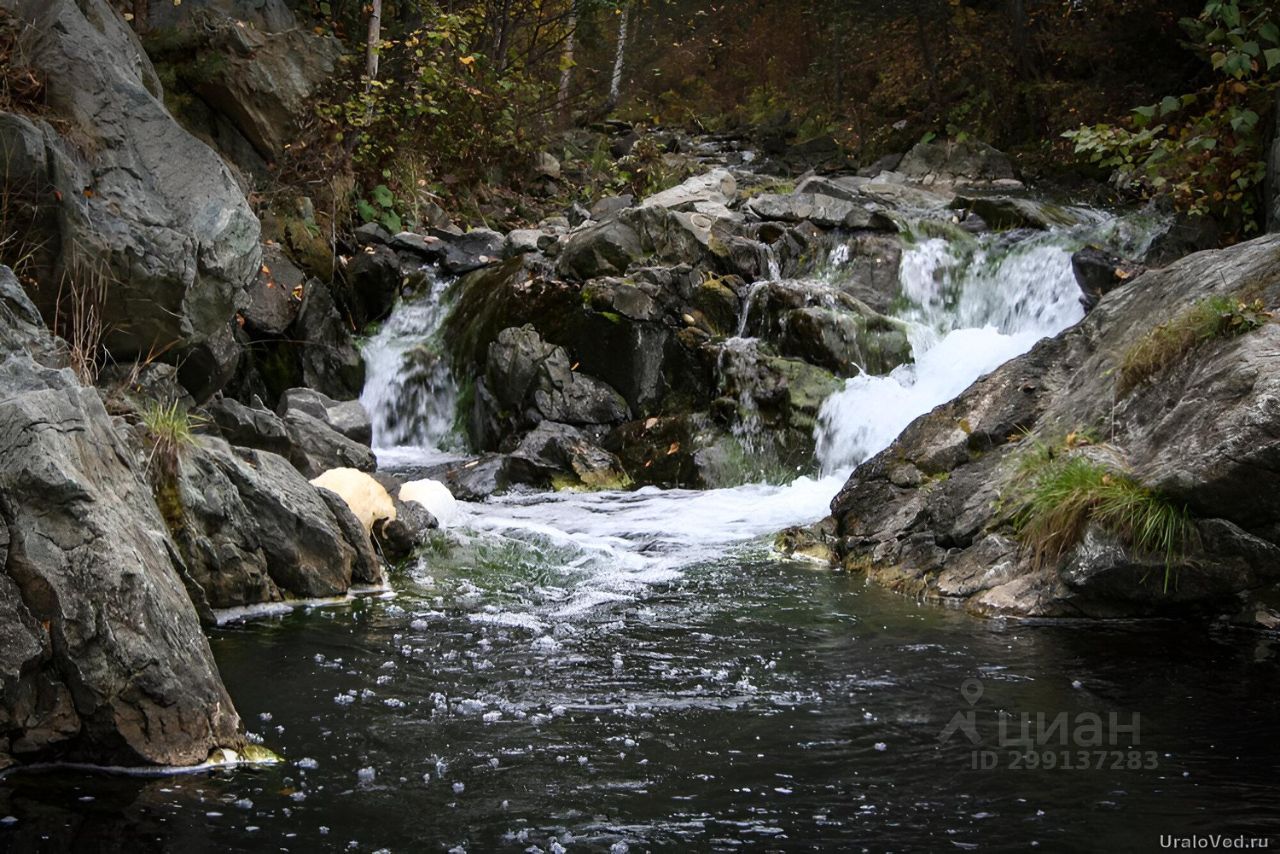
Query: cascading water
[[972, 304], [616, 672], [409, 390]]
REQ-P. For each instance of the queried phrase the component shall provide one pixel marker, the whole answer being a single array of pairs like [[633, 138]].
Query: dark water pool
[[747, 705]]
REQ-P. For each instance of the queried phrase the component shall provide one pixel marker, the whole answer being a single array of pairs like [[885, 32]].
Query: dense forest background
[[1167, 98]]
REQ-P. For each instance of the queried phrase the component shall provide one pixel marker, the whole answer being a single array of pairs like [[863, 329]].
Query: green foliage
[[1060, 491], [441, 114], [1171, 341], [1204, 149], [380, 207]]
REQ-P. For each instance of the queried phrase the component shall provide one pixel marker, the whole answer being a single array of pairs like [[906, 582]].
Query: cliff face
[[934, 513], [102, 657]]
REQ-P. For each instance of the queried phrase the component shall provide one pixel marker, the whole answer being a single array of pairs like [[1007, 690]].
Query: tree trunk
[[374, 44], [615, 82], [566, 64]]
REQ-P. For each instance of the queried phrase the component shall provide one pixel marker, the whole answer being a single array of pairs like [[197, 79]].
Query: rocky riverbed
[[230, 429]]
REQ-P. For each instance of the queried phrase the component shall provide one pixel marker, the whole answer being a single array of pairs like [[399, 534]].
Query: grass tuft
[[171, 429], [1059, 494], [1171, 341]]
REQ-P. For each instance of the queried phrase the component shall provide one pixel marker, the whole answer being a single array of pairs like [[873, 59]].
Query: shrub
[[1059, 493], [1204, 149], [1170, 342]]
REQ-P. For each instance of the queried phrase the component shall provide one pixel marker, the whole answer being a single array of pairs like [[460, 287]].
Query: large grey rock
[[957, 163], [826, 327], [822, 211], [237, 505], [717, 186], [266, 82], [561, 456], [102, 657], [147, 213], [527, 381], [269, 305], [269, 16], [1204, 432], [373, 280], [315, 446], [330, 361], [307, 552], [644, 235], [348, 417]]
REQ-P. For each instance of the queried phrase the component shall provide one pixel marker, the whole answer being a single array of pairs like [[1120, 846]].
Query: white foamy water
[[409, 391], [972, 307]]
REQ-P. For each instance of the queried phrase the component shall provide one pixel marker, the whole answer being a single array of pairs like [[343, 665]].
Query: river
[[639, 671]]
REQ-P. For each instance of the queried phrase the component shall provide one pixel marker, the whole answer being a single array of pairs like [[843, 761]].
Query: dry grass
[[78, 319], [1172, 341]]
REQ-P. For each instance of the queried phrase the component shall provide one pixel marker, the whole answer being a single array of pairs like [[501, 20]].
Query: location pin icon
[[971, 690]]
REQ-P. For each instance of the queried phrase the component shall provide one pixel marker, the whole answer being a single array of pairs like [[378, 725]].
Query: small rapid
[[969, 304], [409, 391]]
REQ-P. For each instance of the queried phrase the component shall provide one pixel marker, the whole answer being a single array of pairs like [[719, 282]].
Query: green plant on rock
[[1169, 343], [171, 430], [1058, 492], [1204, 149]]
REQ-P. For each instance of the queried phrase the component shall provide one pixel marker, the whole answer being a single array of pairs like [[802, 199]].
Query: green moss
[[1170, 342]]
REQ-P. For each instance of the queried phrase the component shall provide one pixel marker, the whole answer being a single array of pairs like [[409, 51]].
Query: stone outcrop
[[151, 226], [931, 515], [101, 653]]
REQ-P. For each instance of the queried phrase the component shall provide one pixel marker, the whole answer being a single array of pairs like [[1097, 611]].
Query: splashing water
[[972, 307], [409, 391], [970, 304]]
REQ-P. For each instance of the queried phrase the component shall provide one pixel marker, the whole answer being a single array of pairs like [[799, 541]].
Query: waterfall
[[972, 304], [409, 390]]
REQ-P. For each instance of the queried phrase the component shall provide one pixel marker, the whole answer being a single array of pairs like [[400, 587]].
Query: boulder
[[717, 186], [560, 456], [308, 432], [1099, 272], [347, 417], [330, 362], [646, 235], [930, 515], [265, 82], [527, 380], [373, 282], [826, 327], [270, 16], [315, 447], [309, 553], [957, 163], [608, 207], [101, 654], [270, 305], [822, 211], [151, 223]]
